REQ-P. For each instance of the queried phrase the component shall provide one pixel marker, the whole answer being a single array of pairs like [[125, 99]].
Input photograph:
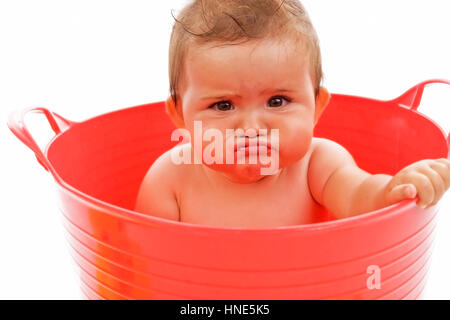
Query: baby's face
[[256, 85]]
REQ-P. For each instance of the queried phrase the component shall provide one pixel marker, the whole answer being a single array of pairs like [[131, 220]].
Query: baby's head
[[247, 64]]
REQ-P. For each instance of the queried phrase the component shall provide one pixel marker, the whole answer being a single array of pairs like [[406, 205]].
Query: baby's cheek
[[294, 145]]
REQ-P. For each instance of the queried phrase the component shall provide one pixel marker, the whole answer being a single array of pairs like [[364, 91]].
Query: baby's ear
[[322, 99], [175, 113]]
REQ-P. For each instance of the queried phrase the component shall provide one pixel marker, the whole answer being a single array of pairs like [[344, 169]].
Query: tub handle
[[17, 125], [411, 99]]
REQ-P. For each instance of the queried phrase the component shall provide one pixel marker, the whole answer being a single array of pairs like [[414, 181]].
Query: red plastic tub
[[98, 165]]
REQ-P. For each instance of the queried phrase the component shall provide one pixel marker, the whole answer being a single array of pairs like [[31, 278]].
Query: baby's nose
[[252, 124]]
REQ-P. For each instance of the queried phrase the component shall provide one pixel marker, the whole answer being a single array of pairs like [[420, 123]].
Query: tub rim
[[141, 218]]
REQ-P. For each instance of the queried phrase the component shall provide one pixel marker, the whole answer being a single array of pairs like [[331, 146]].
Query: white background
[[84, 58]]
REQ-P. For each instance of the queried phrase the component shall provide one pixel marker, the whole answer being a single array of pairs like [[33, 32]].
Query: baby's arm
[[345, 190], [156, 196]]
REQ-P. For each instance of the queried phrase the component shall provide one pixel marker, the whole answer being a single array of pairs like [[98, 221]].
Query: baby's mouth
[[252, 146]]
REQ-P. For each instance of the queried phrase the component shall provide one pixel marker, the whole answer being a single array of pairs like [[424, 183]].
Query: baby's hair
[[231, 22]]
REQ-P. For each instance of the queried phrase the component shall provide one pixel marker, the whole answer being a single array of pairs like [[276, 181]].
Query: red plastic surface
[[98, 165]]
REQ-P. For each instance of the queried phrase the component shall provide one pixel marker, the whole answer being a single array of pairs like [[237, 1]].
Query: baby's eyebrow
[[236, 95]]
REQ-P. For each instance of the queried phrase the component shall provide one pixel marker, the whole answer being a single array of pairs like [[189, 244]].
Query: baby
[[249, 73]]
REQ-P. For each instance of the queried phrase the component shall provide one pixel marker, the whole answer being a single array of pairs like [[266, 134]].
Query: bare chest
[[285, 202]]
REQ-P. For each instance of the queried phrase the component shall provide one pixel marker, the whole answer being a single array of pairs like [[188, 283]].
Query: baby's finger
[[437, 182], [443, 171], [424, 188], [401, 192], [444, 161]]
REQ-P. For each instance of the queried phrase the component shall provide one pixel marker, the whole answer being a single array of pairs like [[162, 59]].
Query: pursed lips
[[248, 143]]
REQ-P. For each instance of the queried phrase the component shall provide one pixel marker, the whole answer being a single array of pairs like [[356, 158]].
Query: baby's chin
[[244, 173]]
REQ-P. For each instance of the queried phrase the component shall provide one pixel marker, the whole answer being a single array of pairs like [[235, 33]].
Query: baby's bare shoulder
[[323, 145], [163, 167], [167, 168], [327, 156], [157, 194]]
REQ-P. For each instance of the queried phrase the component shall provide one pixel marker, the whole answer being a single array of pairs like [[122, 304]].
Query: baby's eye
[[222, 106], [277, 101]]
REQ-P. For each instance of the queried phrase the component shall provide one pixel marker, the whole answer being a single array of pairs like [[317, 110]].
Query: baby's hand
[[430, 179]]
